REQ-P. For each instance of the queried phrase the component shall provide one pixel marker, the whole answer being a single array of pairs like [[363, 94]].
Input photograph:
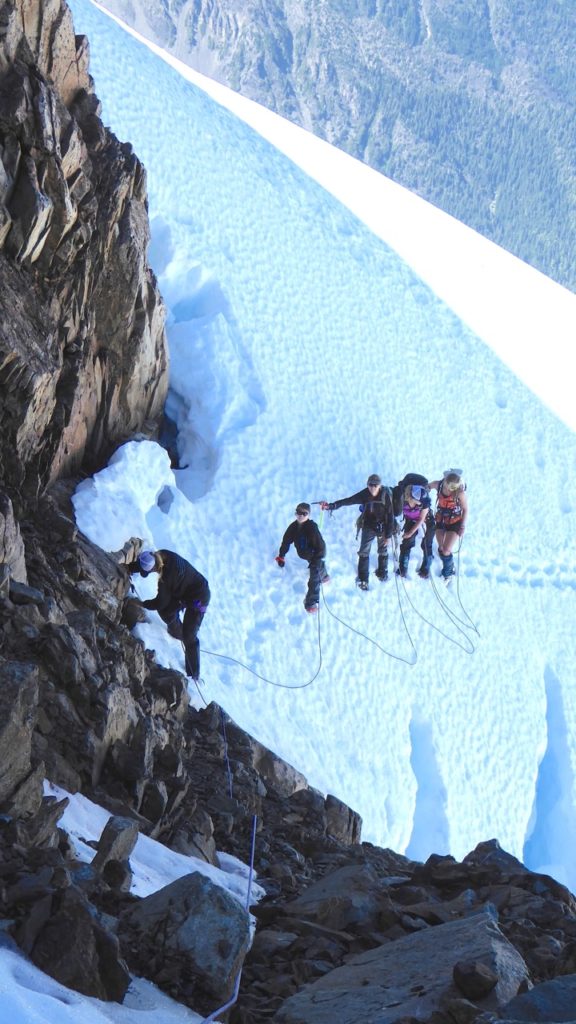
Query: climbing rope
[[234, 996], [472, 624], [468, 624], [390, 654], [200, 694], [265, 679], [347, 625], [451, 639], [226, 758], [468, 647], [454, 618]]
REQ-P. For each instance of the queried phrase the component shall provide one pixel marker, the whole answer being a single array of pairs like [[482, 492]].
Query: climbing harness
[[448, 508]]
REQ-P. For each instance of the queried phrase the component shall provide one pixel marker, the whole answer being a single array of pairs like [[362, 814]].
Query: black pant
[[366, 537], [190, 626], [408, 543], [187, 632], [317, 574]]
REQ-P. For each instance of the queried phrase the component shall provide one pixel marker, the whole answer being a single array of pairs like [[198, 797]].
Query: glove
[[329, 505], [280, 561]]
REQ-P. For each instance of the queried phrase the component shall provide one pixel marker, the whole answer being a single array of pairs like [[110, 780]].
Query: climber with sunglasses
[[451, 516]]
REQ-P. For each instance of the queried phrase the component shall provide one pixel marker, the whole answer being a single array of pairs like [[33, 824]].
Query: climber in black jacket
[[376, 520], [309, 543], [180, 588]]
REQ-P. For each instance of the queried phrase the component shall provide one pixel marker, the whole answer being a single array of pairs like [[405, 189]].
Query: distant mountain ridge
[[469, 104]]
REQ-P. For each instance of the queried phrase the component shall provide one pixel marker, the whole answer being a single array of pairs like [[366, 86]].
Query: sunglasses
[[299, 512]]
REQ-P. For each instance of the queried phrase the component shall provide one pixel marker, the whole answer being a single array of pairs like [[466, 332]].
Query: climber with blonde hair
[[451, 516]]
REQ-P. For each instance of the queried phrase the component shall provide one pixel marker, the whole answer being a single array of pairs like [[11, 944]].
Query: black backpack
[[398, 491]]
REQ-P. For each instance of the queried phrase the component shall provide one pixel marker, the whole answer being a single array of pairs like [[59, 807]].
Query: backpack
[[388, 502], [398, 491]]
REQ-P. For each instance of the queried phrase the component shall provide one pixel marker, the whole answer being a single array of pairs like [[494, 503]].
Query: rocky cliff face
[[82, 347], [346, 931]]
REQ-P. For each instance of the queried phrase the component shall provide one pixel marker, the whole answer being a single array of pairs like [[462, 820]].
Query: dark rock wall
[[86, 707], [82, 347]]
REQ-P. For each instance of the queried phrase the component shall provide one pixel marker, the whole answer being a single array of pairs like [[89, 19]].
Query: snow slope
[[306, 353]]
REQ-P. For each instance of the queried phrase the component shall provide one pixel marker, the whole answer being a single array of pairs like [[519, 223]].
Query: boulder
[[278, 774], [116, 843], [118, 721], [198, 840], [195, 926], [551, 1001], [20, 593], [306, 808], [474, 979], [351, 897], [341, 821], [412, 977], [25, 801], [79, 952], [490, 853]]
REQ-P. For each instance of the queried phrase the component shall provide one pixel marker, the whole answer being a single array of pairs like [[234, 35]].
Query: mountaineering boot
[[447, 565], [424, 570], [382, 570], [362, 584], [312, 609], [402, 569]]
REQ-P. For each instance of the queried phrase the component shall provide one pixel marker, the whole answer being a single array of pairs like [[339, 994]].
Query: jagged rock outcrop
[[370, 910], [82, 345], [85, 706], [196, 928], [413, 977], [76, 949]]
